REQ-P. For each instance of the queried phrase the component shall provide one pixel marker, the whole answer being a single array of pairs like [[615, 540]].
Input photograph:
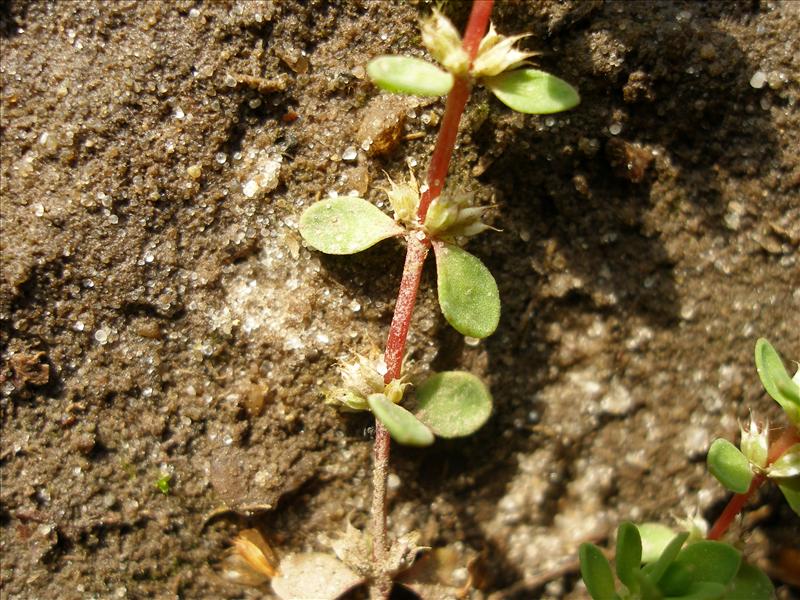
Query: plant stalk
[[788, 438], [416, 253]]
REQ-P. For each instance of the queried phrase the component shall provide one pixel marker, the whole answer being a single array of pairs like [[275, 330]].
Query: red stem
[[454, 108], [788, 438], [409, 285]]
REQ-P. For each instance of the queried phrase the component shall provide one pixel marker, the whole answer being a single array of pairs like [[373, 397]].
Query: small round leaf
[[453, 403], [729, 466], [791, 491], [596, 573], [346, 225], [407, 75], [628, 557], [404, 427], [533, 92], [776, 380], [468, 294], [787, 465], [704, 561], [751, 582]]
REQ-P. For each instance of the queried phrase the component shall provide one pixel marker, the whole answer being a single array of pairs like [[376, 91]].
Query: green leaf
[[703, 590], [787, 465], [776, 380], [628, 557], [468, 293], [791, 491], [647, 589], [404, 427], [751, 583], [407, 75], [453, 403], [655, 539], [596, 572], [533, 92], [704, 561], [729, 466], [346, 225], [655, 570]]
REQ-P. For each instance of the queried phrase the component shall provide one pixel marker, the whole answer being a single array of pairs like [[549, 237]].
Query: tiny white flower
[[443, 41], [404, 198], [496, 54], [694, 524], [755, 444], [451, 217], [362, 377]]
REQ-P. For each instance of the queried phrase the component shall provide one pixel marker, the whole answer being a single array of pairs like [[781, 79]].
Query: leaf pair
[[468, 294], [703, 570], [529, 91], [450, 404]]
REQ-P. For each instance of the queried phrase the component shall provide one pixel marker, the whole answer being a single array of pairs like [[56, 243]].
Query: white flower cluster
[[496, 53]]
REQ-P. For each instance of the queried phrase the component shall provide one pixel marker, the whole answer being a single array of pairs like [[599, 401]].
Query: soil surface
[[166, 337]]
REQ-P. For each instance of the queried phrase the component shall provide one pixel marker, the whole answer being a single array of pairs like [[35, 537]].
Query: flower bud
[[443, 41], [404, 198], [450, 218], [694, 524], [755, 444], [361, 378], [496, 54]]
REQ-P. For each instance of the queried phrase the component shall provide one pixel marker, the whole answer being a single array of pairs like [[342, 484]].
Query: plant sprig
[[673, 567], [451, 404]]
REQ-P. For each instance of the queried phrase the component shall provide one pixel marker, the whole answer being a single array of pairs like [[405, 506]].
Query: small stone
[[382, 124], [758, 80], [350, 153], [195, 171], [250, 188], [708, 52]]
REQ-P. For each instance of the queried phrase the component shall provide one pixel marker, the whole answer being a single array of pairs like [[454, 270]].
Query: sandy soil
[[161, 320]]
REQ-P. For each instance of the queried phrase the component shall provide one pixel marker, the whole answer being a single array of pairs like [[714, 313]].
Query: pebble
[[758, 80], [382, 125]]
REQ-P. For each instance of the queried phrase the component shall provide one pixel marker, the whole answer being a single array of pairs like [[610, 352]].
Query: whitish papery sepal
[[443, 41], [404, 199], [755, 444], [496, 54]]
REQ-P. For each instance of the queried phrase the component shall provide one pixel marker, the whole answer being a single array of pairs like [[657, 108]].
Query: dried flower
[[404, 198], [361, 378], [496, 54], [251, 560], [451, 217], [443, 41], [755, 443]]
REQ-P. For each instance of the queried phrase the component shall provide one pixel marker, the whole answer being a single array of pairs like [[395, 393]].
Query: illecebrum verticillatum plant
[[450, 404], [654, 563]]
